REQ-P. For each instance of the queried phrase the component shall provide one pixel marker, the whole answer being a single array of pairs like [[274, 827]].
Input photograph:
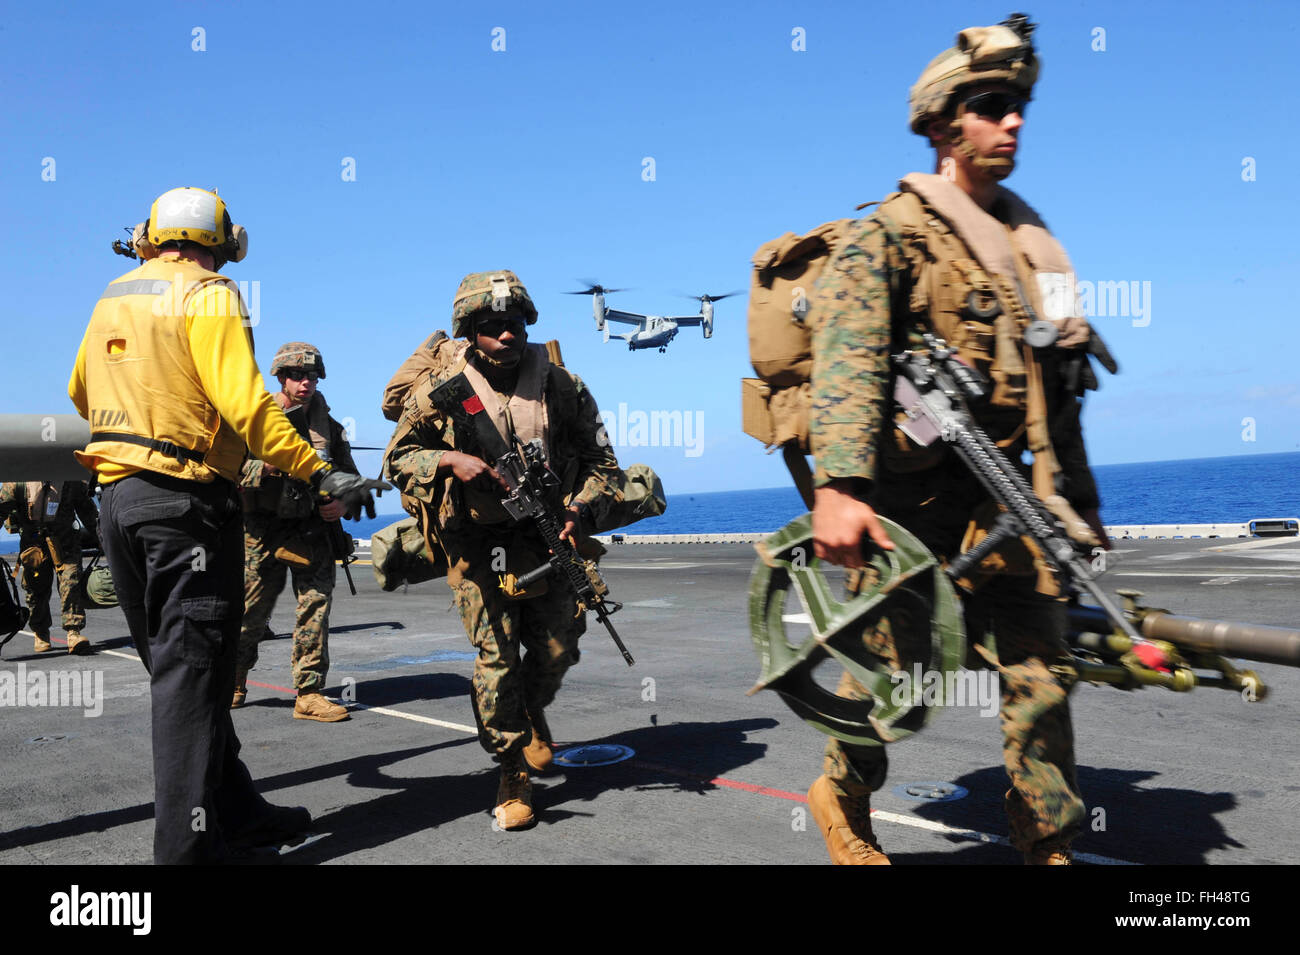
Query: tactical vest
[[975, 281], [525, 411], [44, 501], [148, 409], [978, 282], [280, 494]]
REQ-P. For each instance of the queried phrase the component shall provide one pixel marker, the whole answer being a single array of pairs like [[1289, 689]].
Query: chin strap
[[999, 167], [479, 355]]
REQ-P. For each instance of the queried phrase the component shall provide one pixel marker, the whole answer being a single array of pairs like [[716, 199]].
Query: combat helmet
[[298, 355], [191, 215], [1003, 53], [481, 291]]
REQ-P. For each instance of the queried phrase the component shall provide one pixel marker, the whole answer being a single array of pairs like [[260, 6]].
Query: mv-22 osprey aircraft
[[654, 331]]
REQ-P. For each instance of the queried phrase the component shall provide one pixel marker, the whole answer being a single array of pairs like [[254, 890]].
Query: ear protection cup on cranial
[[235, 247], [237, 244], [140, 242]]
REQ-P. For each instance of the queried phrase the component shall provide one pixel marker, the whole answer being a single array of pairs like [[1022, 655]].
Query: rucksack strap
[[797, 465]]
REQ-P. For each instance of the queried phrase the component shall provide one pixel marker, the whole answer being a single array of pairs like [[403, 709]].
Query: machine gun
[[1103, 655], [531, 482], [1130, 648]]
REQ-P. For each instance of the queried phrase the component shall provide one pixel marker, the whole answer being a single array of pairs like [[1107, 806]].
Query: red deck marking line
[[761, 790], [722, 781], [272, 686]]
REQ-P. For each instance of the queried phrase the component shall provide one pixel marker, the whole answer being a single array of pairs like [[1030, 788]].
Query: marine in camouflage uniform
[[287, 529], [525, 643], [50, 546], [872, 301]]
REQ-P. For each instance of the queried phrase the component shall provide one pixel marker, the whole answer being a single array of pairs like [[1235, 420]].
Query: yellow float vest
[[147, 406]]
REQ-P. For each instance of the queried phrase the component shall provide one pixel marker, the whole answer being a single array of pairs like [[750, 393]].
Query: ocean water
[[1194, 491]]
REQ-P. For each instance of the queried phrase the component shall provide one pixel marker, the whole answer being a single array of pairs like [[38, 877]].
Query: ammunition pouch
[[1015, 558], [276, 494], [774, 415], [35, 567]]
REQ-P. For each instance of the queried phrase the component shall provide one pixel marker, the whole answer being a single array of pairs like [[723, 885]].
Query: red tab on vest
[[472, 404]]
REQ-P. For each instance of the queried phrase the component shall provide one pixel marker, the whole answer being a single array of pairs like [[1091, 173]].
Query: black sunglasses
[[297, 374], [493, 327], [996, 106]]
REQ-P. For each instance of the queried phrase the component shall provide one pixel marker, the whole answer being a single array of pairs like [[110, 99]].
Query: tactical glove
[[352, 489]]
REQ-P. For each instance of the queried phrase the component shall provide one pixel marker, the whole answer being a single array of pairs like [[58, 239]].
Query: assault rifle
[[523, 468], [935, 390], [342, 547]]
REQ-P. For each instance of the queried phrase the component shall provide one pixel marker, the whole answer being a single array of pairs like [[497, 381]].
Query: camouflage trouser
[[508, 683], [61, 556], [1043, 805], [313, 585]]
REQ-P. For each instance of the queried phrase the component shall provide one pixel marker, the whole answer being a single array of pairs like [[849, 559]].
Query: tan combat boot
[[77, 643], [42, 643], [241, 689], [313, 706], [538, 753], [1049, 855], [514, 808], [845, 823]]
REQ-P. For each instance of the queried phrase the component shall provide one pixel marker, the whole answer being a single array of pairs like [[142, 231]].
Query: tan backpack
[[775, 405]]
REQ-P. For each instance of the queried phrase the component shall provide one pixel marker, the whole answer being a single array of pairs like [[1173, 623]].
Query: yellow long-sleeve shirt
[[167, 356]]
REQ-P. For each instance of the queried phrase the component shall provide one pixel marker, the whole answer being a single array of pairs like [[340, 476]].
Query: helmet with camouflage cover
[[1003, 53], [481, 291], [298, 355]]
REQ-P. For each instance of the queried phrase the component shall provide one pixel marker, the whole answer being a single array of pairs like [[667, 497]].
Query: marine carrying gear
[[1003, 53], [480, 291], [189, 214], [298, 355], [978, 285]]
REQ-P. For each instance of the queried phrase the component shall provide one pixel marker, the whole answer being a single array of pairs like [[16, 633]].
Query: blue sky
[[532, 158]]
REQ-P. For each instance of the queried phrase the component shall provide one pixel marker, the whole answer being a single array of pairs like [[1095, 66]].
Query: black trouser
[[176, 550]]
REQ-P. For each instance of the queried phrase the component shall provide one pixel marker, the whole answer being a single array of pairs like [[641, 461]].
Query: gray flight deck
[[717, 776]]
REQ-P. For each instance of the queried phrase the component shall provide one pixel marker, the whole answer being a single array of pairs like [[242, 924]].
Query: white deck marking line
[[93, 653], [461, 727], [1252, 545], [1207, 573], [473, 731], [976, 836]]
